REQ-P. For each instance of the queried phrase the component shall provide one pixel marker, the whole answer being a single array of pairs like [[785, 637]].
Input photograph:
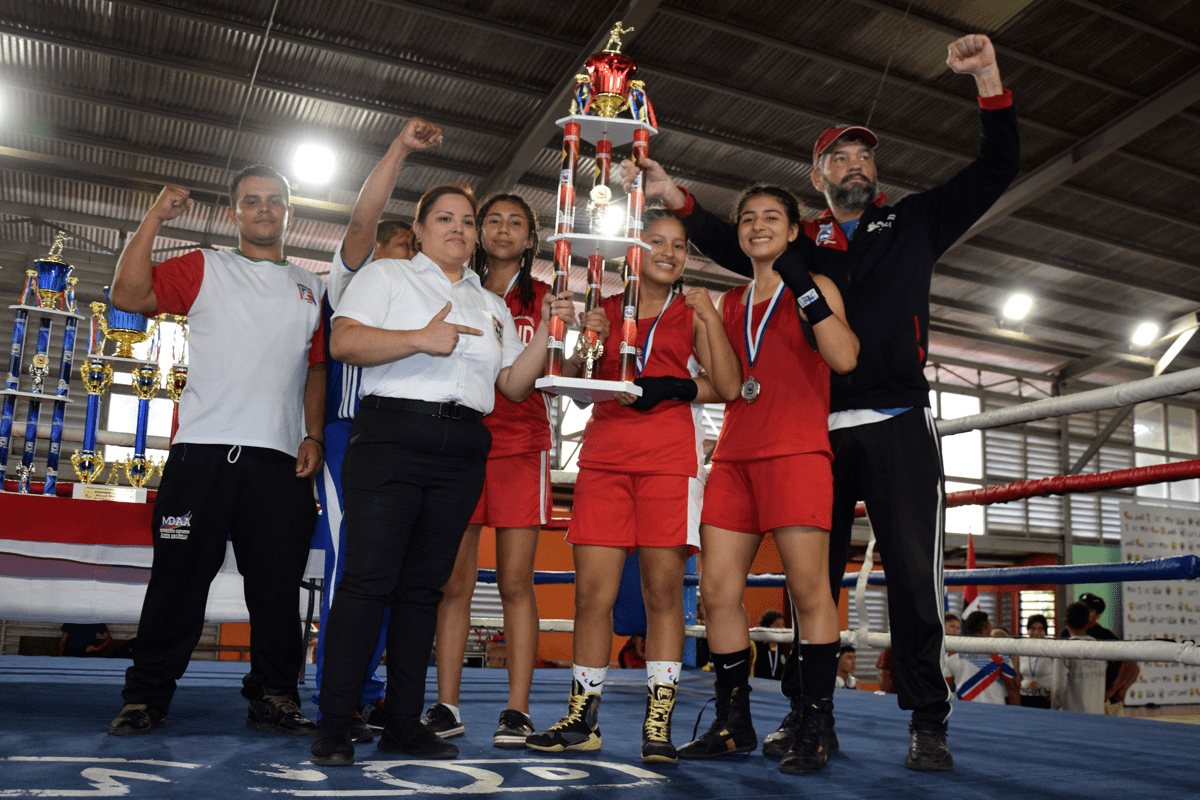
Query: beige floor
[[1189, 714]]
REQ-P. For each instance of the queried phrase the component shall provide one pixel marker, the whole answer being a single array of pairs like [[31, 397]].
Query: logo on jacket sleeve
[[825, 234], [306, 294], [875, 226], [175, 527]]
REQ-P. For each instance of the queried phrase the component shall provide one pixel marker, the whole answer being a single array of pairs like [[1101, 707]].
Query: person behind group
[[769, 657], [433, 343], [633, 654], [1037, 674], [516, 496], [980, 677], [79, 639], [953, 624], [771, 474], [366, 238], [1079, 683], [243, 457], [1119, 675], [639, 486], [885, 446], [847, 662]]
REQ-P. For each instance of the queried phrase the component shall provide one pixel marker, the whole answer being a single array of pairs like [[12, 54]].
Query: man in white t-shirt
[[1079, 683], [241, 463]]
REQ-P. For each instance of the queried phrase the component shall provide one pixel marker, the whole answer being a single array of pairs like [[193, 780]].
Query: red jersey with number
[[661, 441], [791, 414], [521, 427]]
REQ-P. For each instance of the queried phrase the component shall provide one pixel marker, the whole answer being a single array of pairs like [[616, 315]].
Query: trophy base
[[618, 130], [584, 244], [586, 390], [50, 312], [103, 491]]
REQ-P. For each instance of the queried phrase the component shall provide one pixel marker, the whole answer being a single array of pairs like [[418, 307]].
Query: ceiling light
[[313, 164], [1018, 306], [612, 223], [1146, 333]]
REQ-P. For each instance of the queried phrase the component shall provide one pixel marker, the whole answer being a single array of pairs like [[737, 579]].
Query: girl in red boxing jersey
[[772, 473], [516, 494], [639, 486]]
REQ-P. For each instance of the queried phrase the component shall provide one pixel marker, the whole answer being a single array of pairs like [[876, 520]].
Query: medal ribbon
[[511, 283], [644, 356], [753, 343]]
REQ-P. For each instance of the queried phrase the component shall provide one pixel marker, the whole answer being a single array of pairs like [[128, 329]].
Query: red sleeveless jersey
[[791, 414], [521, 427], [661, 441]]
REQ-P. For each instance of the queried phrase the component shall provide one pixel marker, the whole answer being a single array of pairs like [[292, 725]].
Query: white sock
[[590, 678], [453, 710], [665, 672]]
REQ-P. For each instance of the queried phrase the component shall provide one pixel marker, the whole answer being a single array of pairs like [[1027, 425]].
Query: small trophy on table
[[126, 329], [601, 94], [53, 292]]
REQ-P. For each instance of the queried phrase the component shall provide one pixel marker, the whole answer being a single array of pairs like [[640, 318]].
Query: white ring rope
[[1095, 400], [1181, 652]]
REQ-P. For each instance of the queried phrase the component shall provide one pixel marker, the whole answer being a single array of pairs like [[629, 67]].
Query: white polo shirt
[[405, 295]]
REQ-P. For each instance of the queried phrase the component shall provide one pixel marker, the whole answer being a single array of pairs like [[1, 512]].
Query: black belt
[[443, 410]]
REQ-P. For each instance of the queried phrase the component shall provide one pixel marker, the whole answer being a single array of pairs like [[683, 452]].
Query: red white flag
[[970, 593]]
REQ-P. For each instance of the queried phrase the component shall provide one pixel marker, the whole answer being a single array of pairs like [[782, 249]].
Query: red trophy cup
[[605, 91]]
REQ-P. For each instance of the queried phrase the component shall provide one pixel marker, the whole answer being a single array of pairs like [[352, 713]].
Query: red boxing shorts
[[760, 496], [516, 492], [614, 509]]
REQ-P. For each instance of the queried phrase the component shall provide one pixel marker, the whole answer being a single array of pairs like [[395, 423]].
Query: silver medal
[[750, 389]]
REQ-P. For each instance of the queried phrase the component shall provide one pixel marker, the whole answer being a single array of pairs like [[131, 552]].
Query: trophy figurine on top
[[605, 91]]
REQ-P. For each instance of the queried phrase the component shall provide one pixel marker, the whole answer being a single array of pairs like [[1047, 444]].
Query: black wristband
[[808, 295], [316, 439], [667, 387]]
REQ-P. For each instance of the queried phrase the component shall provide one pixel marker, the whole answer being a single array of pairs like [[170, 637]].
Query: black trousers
[[208, 495], [895, 467], [410, 483]]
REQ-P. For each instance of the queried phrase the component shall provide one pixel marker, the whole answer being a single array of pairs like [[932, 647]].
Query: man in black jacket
[[885, 444]]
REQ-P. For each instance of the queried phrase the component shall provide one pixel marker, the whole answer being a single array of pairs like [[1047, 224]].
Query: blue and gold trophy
[[126, 329], [53, 290]]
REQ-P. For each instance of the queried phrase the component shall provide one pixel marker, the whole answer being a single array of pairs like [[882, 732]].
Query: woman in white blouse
[[433, 344]]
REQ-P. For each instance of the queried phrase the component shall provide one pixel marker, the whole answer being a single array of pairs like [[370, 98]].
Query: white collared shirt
[[405, 295]]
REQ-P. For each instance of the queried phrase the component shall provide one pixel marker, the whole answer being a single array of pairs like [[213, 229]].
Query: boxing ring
[[55, 743]]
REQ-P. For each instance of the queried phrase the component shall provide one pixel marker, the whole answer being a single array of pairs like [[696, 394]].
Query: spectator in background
[[953, 624], [981, 677], [769, 657], [886, 667], [847, 661], [1078, 682], [80, 639], [1037, 677], [633, 654], [1119, 675]]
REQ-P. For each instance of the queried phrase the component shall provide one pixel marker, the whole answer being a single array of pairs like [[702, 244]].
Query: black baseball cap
[[1094, 602]]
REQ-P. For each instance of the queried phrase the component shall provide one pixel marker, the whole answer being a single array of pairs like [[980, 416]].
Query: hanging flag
[[970, 593]]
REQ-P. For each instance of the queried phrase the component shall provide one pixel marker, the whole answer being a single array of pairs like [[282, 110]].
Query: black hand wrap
[[655, 390], [808, 297]]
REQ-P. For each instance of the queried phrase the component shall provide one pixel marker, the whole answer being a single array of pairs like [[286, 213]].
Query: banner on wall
[[1161, 609]]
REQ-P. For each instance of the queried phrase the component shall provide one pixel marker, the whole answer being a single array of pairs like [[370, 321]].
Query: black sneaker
[[416, 740], [360, 732], [814, 743], [732, 731], [372, 714], [927, 750], [578, 730], [656, 728], [778, 743], [334, 750], [278, 714], [441, 721], [136, 719], [514, 728]]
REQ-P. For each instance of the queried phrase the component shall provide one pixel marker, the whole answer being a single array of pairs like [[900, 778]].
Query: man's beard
[[853, 195]]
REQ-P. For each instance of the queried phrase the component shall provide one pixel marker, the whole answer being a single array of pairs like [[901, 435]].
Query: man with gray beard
[[881, 430]]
